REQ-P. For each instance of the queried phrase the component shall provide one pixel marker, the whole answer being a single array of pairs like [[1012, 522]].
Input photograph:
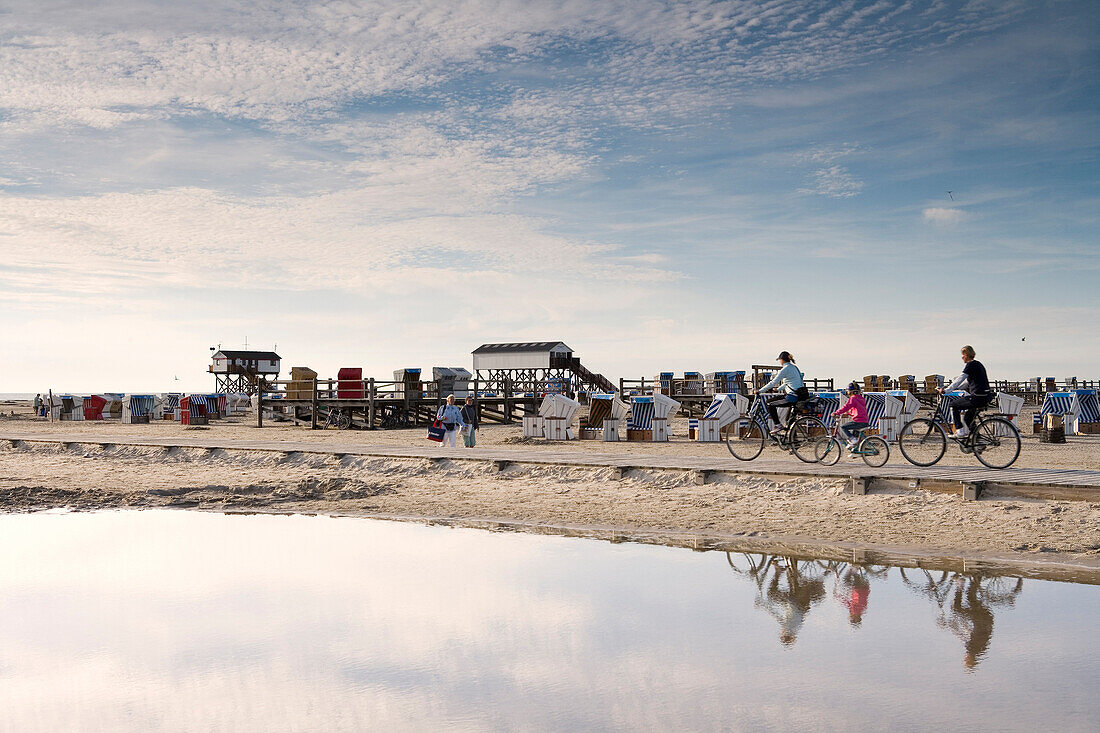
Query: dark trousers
[[852, 429], [967, 406], [785, 400]]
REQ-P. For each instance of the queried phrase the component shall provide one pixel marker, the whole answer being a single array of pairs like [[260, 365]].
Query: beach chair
[[829, 403], [943, 411], [723, 410], [605, 413], [1010, 407], [170, 406], [137, 408], [193, 410], [640, 426], [889, 422], [1089, 422], [1066, 404], [651, 422], [93, 407], [558, 413], [876, 408], [67, 407]]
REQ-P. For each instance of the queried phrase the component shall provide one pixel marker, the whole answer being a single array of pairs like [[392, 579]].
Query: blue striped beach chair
[[641, 413], [943, 411], [1090, 405], [137, 408], [723, 410], [876, 407], [1066, 404], [830, 403]]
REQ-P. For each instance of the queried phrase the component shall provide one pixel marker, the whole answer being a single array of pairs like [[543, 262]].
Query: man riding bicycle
[[975, 383], [789, 386]]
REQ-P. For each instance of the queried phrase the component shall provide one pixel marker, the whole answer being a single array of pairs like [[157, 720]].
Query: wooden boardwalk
[[1066, 484]]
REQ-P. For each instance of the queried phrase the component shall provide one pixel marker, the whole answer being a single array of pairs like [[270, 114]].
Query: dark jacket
[[469, 414]]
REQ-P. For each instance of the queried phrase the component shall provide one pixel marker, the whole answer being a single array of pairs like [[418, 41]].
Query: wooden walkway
[[1064, 484]]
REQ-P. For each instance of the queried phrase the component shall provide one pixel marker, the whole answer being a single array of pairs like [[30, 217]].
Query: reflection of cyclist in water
[[853, 591], [971, 620], [969, 615], [787, 590]]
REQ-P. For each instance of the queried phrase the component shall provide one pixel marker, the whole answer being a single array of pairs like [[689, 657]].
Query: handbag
[[436, 431]]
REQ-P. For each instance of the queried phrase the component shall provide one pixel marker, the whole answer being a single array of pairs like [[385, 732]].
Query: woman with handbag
[[469, 415], [452, 420]]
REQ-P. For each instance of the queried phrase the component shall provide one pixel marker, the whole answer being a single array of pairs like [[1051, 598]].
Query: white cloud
[[944, 216], [834, 181]]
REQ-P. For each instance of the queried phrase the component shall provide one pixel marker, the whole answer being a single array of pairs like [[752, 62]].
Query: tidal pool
[[189, 621]]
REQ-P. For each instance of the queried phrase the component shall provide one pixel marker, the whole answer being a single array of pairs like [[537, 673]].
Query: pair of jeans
[[852, 429], [967, 406]]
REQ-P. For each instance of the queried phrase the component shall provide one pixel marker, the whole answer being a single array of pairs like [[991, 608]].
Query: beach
[[37, 476]]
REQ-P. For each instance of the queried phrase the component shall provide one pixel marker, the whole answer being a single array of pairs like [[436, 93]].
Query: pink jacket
[[856, 406]]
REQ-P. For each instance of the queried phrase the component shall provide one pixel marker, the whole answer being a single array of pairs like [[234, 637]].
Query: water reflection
[[788, 588], [969, 615], [188, 621]]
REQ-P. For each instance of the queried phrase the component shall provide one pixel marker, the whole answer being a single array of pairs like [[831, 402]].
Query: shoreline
[[652, 506]]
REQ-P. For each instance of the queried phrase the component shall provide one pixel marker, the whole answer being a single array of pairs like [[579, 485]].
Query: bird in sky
[[1024, 338], [950, 196]]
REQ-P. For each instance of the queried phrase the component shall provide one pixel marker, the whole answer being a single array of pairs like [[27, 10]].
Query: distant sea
[[16, 395]]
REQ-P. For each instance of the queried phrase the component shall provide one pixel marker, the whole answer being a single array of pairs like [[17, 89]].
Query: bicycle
[[874, 450], [339, 418], [994, 441], [747, 436]]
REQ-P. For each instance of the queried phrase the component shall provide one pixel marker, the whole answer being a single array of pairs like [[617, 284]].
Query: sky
[[688, 185]]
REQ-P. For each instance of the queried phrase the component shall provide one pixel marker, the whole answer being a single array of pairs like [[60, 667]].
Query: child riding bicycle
[[856, 407]]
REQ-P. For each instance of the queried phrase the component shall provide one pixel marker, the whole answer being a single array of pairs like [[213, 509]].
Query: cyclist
[[975, 383], [789, 386], [856, 406]]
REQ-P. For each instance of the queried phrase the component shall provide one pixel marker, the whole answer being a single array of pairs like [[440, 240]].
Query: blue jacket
[[450, 414]]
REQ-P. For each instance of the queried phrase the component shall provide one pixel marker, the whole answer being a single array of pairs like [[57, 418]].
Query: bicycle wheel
[[922, 442], [343, 419], [745, 439], [827, 451], [875, 451], [803, 436], [996, 443]]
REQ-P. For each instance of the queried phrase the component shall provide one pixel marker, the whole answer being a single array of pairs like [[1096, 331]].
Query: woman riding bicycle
[[789, 387], [975, 382]]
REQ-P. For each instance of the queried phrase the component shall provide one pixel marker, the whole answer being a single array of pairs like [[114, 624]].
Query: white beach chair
[[723, 411]]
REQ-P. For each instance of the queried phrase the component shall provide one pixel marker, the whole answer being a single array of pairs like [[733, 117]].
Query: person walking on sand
[[37, 404], [469, 416], [452, 420]]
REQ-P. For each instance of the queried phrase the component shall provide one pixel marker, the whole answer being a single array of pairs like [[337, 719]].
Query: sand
[[39, 476]]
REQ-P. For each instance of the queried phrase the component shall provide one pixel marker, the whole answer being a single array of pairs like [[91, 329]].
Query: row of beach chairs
[[644, 419], [194, 409]]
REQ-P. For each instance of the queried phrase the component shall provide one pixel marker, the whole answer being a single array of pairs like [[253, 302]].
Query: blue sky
[[690, 185]]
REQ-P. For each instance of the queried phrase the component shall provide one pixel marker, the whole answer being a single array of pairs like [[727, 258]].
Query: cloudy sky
[[662, 185]]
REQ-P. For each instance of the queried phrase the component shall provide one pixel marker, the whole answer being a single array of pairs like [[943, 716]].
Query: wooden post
[[49, 406], [259, 403], [313, 406], [370, 404], [507, 400]]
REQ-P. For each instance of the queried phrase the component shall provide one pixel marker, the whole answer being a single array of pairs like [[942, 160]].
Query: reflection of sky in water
[[190, 621]]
